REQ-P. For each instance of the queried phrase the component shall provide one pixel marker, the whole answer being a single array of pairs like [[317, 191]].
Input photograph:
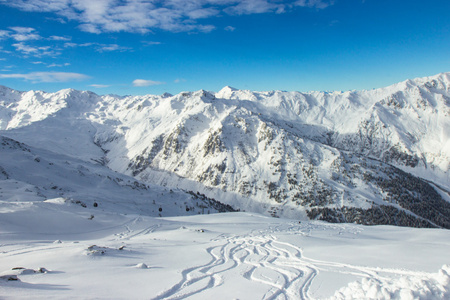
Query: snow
[[256, 138], [60, 253], [99, 195], [430, 286]]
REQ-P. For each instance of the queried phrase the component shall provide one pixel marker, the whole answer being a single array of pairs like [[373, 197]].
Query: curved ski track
[[262, 259], [278, 265], [258, 257]]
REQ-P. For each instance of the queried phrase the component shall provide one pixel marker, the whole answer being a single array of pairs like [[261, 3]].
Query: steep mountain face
[[373, 157]]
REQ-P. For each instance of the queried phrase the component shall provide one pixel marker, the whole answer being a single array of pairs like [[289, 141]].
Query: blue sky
[[154, 46]]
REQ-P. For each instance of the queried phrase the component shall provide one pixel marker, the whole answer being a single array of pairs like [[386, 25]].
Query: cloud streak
[[58, 65], [144, 16], [99, 86], [36, 77], [143, 82], [28, 50], [99, 47], [230, 28], [59, 38]]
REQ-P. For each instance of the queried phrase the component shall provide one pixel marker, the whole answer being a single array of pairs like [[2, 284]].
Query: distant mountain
[[372, 157]]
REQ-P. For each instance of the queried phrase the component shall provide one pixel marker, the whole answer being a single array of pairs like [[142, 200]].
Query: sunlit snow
[[170, 197]]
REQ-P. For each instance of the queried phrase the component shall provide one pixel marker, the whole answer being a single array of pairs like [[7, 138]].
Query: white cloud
[[23, 30], [26, 37], [38, 5], [111, 47], [59, 38], [143, 82], [59, 20], [99, 86], [99, 47], [319, 4], [24, 34], [230, 28], [26, 40], [178, 80], [70, 45], [28, 50], [4, 34], [151, 43], [202, 13], [47, 76], [58, 65], [247, 7], [25, 48], [143, 15]]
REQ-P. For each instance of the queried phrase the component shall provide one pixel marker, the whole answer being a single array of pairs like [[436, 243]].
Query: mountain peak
[[226, 92], [166, 95], [229, 88]]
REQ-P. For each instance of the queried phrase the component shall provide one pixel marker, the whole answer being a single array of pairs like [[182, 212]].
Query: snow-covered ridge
[[333, 155]]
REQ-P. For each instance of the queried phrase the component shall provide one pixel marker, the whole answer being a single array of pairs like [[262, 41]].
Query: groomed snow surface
[[215, 256]]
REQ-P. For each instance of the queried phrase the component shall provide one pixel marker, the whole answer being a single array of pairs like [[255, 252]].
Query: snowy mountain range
[[372, 157]]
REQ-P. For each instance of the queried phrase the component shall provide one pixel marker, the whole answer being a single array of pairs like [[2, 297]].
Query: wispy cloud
[[319, 4], [143, 82], [22, 34], [4, 34], [99, 47], [36, 77], [28, 42], [28, 50], [58, 65], [111, 47], [99, 86], [23, 30], [59, 38], [247, 7], [144, 16], [230, 28], [151, 43]]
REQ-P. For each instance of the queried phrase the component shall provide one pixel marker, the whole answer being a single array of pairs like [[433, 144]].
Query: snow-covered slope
[[51, 250], [375, 157], [30, 176]]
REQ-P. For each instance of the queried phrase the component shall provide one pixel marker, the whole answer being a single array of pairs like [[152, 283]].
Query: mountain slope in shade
[[373, 157], [34, 176]]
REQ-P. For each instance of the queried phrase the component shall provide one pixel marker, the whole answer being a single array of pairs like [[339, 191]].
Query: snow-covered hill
[[373, 157], [50, 250], [29, 175]]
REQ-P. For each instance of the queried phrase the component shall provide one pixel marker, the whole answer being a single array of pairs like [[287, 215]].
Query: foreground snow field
[[56, 250]]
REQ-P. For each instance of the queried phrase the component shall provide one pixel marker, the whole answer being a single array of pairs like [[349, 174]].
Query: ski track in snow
[[257, 258], [280, 266], [29, 249], [271, 266], [130, 233]]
